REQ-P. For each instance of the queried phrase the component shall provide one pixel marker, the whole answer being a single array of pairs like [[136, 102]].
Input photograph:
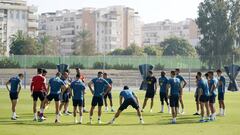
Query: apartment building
[[65, 25], [16, 15], [111, 27], [117, 27], [155, 33]]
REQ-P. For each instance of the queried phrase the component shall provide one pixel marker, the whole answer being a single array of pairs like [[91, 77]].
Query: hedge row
[[6, 63]]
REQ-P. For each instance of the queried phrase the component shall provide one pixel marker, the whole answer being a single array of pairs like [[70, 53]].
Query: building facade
[[111, 28], [16, 15], [64, 25], [155, 33]]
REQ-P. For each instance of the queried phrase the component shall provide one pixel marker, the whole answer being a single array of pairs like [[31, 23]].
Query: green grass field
[[126, 124]]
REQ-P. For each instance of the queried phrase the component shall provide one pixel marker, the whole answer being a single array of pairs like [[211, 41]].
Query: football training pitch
[[127, 124]]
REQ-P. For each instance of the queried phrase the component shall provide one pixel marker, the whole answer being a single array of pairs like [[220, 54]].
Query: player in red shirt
[[38, 86]]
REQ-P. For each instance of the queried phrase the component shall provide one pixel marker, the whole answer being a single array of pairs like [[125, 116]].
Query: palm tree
[[84, 44]]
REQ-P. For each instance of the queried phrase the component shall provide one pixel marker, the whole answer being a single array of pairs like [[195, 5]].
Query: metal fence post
[[189, 74], [25, 72]]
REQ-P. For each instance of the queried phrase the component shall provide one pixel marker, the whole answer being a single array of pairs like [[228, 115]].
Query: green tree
[[218, 22], [175, 46], [84, 44], [133, 49], [117, 52], [22, 44], [153, 50], [48, 45]]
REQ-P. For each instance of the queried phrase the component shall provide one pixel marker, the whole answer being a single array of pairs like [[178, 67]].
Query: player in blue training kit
[[66, 95], [109, 94], [203, 92], [129, 99], [213, 93], [175, 90], [183, 84], [197, 97], [98, 92], [14, 91], [55, 86], [163, 81], [78, 91], [221, 92]]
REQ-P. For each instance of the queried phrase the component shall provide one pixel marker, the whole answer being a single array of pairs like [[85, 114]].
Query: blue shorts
[[65, 97], [128, 102], [221, 96], [13, 95], [149, 94], [204, 98], [196, 98], [77, 102], [163, 96], [174, 99], [212, 99], [56, 97], [97, 101], [108, 95]]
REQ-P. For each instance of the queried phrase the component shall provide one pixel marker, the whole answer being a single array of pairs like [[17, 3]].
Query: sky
[[149, 10]]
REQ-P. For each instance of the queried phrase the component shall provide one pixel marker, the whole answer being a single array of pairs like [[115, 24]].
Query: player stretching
[[55, 85], [98, 93], [38, 86], [78, 91], [129, 99], [175, 90], [109, 94], [82, 78], [163, 81], [221, 92], [15, 83], [183, 84], [213, 93], [203, 92], [151, 90]]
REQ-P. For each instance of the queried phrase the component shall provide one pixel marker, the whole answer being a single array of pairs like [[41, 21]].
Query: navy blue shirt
[[109, 80], [127, 94], [163, 81], [99, 86], [14, 81], [221, 88], [56, 83], [175, 85], [203, 85], [78, 88]]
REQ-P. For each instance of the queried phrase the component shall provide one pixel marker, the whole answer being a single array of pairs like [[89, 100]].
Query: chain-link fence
[[123, 69]]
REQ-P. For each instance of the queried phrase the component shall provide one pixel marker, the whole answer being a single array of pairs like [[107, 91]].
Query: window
[[11, 14], [23, 15], [17, 14]]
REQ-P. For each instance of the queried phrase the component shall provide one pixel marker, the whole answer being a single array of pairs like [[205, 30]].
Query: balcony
[[32, 17], [1, 14], [32, 24], [32, 9]]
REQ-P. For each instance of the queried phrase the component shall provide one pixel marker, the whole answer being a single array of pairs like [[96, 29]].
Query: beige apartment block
[[155, 33], [111, 27], [16, 15]]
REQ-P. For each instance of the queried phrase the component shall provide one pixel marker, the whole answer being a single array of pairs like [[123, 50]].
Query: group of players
[[61, 88]]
